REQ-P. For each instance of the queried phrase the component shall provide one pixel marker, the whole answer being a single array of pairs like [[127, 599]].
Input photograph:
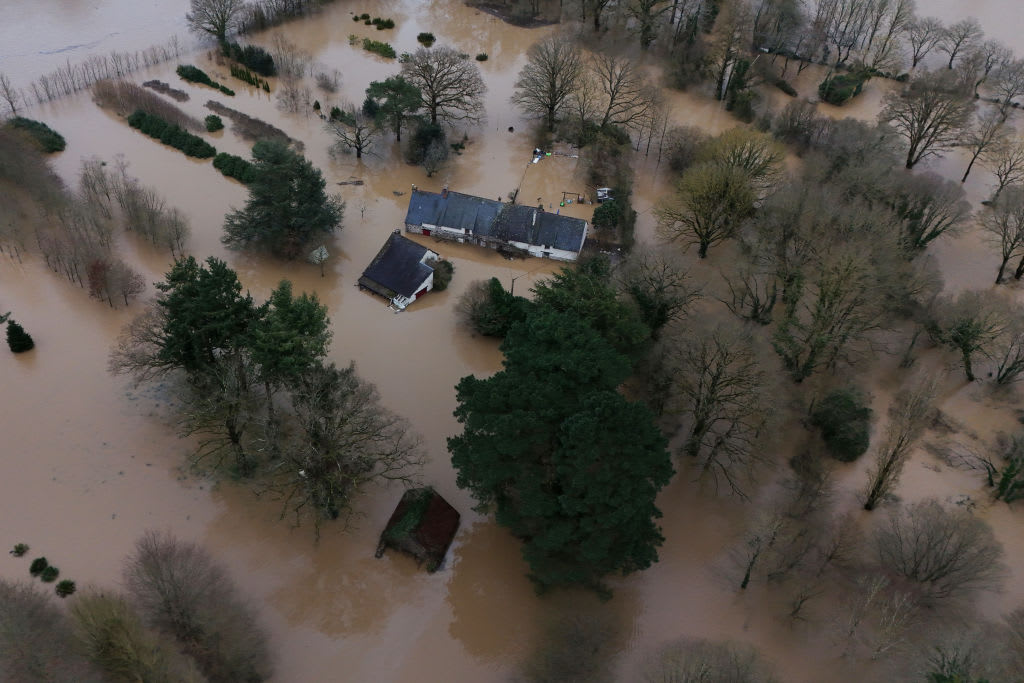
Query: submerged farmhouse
[[401, 272], [490, 223]]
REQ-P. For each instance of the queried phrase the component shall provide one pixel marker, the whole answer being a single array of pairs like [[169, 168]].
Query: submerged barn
[[491, 223], [422, 525], [401, 272]]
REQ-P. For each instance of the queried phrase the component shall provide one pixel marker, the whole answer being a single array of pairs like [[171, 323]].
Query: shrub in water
[[442, 275], [37, 566], [19, 549], [235, 167], [841, 88], [155, 127], [845, 423], [18, 339], [47, 138], [379, 48], [65, 588], [427, 39], [252, 56], [50, 574], [482, 57], [213, 123]]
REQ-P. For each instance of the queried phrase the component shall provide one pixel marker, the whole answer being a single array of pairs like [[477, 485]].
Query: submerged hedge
[[47, 138], [235, 167], [169, 134]]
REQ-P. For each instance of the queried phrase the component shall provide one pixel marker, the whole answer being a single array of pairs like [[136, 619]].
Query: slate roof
[[490, 218], [457, 210], [397, 267]]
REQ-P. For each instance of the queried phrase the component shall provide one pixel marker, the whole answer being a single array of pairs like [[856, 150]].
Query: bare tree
[[756, 154], [709, 201], [659, 285], [354, 131], [756, 544], [36, 642], [1015, 638], [182, 592], [1008, 84], [1009, 353], [646, 14], [909, 415], [984, 136], [113, 637], [985, 58], [215, 17], [625, 95], [970, 325], [940, 552], [888, 20], [693, 660], [719, 389], [1004, 225], [577, 648], [11, 95], [876, 616], [451, 87], [928, 207], [1006, 161], [930, 115], [346, 440], [924, 35], [960, 37], [548, 78]]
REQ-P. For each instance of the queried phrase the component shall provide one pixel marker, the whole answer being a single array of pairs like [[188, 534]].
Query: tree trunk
[[969, 166], [1002, 267], [702, 250], [968, 367]]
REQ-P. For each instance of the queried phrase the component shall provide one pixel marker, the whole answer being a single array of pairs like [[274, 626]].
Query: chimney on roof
[[444, 192]]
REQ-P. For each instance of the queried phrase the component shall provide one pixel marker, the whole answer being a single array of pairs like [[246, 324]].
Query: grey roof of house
[[457, 210], [397, 267], [490, 218]]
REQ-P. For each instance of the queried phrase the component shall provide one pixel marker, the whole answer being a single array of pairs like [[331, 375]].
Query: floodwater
[[90, 462]]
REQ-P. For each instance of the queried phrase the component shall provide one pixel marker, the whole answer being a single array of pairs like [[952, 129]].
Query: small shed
[[401, 272], [423, 525]]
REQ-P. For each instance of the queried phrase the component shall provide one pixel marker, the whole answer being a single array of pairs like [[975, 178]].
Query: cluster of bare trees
[[181, 620], [72, 78], [562, 84]]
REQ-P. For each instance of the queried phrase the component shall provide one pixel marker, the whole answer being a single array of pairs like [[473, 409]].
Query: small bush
[[248, 127], [235, 167], [783, 85], [364, 16], [213, 123], [194, 74], [19, 549], [18, 340], [37, 566], [845, 423], [426, 39], [841, 88], [481, 57], [335, 113], [172, 135], [50, 574], [47, 138], [379, 48], [383, 24], [65, 588], [355, 17], [608, 214], [442, 275]]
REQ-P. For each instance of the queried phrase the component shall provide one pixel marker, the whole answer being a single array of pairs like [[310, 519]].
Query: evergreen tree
[[393, 102], [204, 315], [287, 203], [18, 339], [566, 463]]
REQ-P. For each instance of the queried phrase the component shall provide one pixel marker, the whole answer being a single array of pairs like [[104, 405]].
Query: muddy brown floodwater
[[89, 462]]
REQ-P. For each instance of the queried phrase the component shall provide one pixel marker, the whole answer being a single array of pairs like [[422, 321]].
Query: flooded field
[[89, 461]]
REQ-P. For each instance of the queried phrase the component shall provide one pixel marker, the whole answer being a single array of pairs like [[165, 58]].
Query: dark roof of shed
[[457, 210], [397, 265]]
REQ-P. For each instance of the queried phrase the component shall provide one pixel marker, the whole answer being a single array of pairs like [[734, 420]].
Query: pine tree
[[18, 339]]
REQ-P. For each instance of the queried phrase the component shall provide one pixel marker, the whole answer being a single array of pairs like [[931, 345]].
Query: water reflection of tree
[[497, 615]]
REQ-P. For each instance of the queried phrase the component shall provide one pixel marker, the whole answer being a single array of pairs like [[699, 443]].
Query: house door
[[426, 231], [421, 292]]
